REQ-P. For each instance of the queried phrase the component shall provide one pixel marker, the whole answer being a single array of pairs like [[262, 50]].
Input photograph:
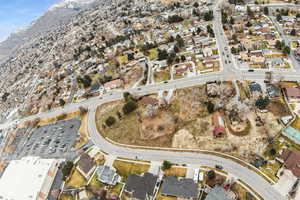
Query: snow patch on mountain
[[72, 4]]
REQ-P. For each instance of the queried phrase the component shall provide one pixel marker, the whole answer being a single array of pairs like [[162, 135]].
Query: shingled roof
[[86, 163], [218, 193], [292, 161], [141, 186], [182, 188]]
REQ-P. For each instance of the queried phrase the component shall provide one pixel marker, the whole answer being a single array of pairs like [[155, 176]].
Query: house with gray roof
[[107, 175], [86, 165], [180, 187], [255, 87], [219, 193], [273, 62], [273, 91], [141, 187]]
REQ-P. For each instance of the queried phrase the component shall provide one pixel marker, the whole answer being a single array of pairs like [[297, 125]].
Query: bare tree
[[82, 110]]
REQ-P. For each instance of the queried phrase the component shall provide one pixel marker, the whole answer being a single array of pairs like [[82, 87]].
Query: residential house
[[259, 60], [212, 89], [208, 62], [179, 71], [86, 165], [240, 8], [107, 175], [273, 91], [219, 125], [95, 87], [273, 62], [219, 193], [207, 52], [290, 19], [292, 94], [255, 88], [141, 187], [113, 84], [291, 160], [184, 188]]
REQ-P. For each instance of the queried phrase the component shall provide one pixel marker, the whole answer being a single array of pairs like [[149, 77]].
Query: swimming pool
[[292, 133]]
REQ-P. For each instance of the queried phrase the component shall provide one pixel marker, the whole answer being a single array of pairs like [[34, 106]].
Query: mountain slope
[[58, 14]]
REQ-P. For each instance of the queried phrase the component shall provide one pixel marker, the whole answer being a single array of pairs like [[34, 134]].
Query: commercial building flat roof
[[28, 179]]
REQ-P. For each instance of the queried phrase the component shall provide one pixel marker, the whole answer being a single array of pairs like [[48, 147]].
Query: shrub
[[262, 103], [110, 121], [61, 116], [210, 107], [82, 110], [66, 170], [211, 174], [129, 107], [166, 165]]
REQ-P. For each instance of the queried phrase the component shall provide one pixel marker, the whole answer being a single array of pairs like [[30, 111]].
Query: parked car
[[219, 167]]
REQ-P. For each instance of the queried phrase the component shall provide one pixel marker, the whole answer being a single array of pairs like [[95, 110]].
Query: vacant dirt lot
[[187, 123], [278, 108]]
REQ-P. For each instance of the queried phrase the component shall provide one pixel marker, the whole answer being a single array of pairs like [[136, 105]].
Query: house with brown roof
[[291, 159], [86, 165], [219, 125], [292, 94], [113, 84]]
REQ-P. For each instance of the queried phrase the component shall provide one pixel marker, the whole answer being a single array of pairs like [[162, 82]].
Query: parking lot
[[50, 141]]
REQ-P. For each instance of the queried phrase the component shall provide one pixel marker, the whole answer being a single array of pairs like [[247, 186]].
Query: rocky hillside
[[57, 15]]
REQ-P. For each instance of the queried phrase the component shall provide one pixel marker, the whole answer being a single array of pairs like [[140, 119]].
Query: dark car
[[250, 70], [165, 81], [219, 167]]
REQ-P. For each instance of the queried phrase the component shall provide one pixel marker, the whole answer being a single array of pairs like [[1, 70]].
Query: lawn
[[256, 66], [178, 76], [100, 161], [125, 168], [176, 171], [161, 197], [240, 191], [117, 189], [296, 123], [83, 131], [95, 183], [66, 197], [123, 59], [46, 121], [76, 180], [153, 54], [162, 76], [288, 84], [271, 170]]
